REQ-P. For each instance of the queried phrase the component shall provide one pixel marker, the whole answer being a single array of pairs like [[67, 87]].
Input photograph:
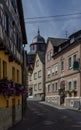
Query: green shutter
[[76, 65]]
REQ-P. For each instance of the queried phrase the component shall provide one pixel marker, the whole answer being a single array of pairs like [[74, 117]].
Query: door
[[13, 111], [62, 92]]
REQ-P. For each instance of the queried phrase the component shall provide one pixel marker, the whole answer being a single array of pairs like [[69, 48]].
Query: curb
[[60, 107]]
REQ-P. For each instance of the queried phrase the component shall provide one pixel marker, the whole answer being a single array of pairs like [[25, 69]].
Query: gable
[[49, 46]]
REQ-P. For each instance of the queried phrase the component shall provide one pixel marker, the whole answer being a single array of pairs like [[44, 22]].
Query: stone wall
[[38, 97], [53, 99], [69, 101], [6, 117], [18, 114]]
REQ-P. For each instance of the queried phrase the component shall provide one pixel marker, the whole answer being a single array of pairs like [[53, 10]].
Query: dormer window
[[72, 40], [59, 49]]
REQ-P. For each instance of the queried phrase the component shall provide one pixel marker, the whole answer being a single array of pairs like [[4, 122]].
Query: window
[[35, 75], [49, 55], [37, 63], [4, 69], [70, 85], [56, 69], [75, 84], [53, 87], [35, 87], [13, 74], [48, 88], [62, 66], [74, 57], [39, 86], [72, 40], [48, 71], [70, 62], [56, 86], [6, 23], [39, 74], [18, 76], [53, 70]]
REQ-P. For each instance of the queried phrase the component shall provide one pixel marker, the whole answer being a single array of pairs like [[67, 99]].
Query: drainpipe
[[23, 83], [80, 72]]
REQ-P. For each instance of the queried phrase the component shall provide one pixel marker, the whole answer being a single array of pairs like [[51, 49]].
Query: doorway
[[62, 92], [13, 111]]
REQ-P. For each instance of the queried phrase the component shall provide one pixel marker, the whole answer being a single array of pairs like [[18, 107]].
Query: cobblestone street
[[43, 117]]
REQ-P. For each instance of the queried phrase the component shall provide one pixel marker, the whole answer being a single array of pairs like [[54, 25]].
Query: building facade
[[37, 46], [12, 38], [51, 71], [63, 83], [37, 78]]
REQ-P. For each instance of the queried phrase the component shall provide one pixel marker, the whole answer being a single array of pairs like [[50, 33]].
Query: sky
[[55, 27]]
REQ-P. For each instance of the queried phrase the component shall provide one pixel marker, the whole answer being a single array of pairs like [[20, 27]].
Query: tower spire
[[38, 31]]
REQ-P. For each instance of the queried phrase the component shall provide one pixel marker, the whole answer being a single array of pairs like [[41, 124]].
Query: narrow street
[[43, 117]]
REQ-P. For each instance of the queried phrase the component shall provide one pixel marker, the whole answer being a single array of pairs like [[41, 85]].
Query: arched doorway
[[62, 91]]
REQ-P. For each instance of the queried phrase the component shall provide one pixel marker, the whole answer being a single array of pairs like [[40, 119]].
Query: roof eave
[[22, 23]]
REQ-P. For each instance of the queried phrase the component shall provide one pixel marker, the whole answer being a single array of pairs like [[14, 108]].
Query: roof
[[22, 23], [75, 34], [56, 41], [42, 56], [38, 38], [30, 58]]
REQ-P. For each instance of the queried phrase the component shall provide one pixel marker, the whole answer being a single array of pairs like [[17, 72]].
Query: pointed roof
[[56, 41], [42, 56]]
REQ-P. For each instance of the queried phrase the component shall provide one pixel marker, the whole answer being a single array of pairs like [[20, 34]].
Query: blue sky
[[55, 27]]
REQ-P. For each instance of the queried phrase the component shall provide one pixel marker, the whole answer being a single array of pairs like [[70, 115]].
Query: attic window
[[72, 40], [59, 49]]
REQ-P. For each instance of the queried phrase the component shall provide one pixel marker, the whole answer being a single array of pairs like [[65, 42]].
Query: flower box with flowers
[[6, 87], [9, 88], [20, 90]]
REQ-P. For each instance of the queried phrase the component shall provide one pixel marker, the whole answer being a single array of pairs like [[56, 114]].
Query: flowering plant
[[9, 88], [20, 89], [6, 87]]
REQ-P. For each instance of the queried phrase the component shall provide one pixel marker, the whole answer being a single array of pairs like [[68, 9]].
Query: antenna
[[66, 33]]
